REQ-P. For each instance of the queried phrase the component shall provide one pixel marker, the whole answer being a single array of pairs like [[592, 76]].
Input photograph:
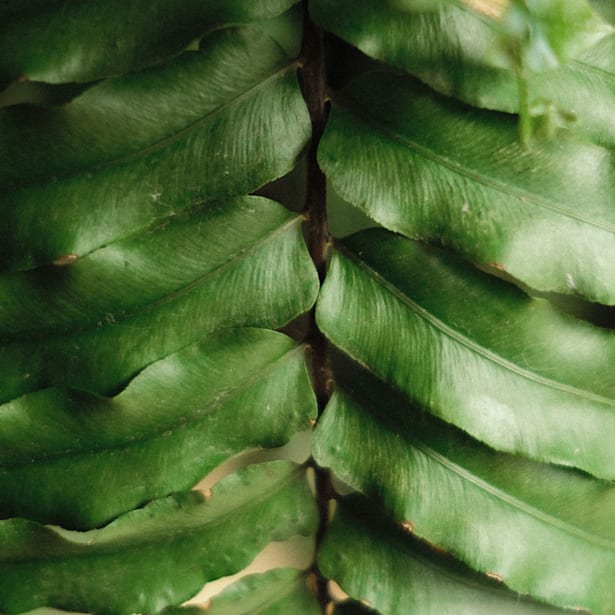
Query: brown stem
[[315, 95], [315, 211]]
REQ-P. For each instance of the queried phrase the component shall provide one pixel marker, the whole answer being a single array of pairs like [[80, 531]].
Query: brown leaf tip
[[65, 260], [312, 582], [408, 526], [494, 9], [495, 575]]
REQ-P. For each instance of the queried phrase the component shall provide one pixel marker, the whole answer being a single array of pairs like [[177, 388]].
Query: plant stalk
[[315, 210], [525, 120]]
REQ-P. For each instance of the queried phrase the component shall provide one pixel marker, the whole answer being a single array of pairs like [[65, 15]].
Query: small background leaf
[[448, 49], [535, 36]]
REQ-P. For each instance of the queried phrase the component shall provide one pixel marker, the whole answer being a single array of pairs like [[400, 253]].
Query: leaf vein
[[463, 340]]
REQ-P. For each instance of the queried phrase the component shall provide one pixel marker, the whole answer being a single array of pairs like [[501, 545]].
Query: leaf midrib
[[463, 340], [512, 501], [470, 174], [220, 518], [496, 492], [171, 296], [168, 140], [405, 551], [118, 543], [160, 428]]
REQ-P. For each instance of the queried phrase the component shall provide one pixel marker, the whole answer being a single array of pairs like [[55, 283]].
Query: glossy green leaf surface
[[140, 147], [134, 272], [474, 350], [379, 565], [96, 322], [449, 48], [157, 556], [544, 530], [78, 40], [276, 592], [62, 452], [430, 168]]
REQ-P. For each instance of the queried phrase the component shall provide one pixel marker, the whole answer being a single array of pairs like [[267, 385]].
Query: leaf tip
[[65, 260], [496, 576], [494, 9], [408, 526], [366, 604], [312, 582]]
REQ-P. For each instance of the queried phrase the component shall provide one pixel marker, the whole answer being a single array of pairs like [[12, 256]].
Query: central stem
[[315, 210], [315, 95]]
